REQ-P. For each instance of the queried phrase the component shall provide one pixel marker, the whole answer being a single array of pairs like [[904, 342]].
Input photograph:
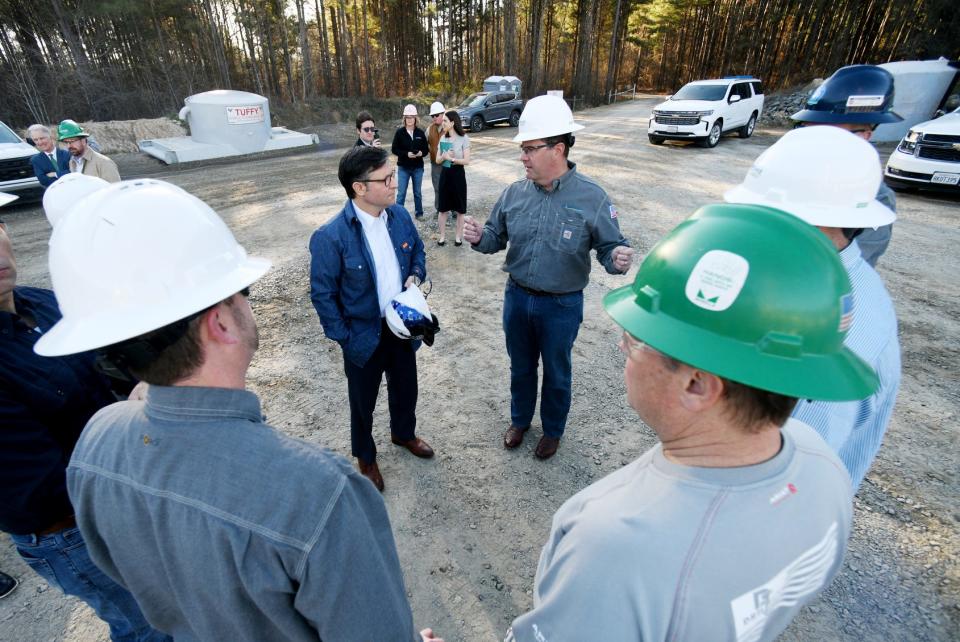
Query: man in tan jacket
[[433, 141], [83, 158]]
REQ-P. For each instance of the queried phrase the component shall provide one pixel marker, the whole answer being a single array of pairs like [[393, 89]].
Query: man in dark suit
[[52, 162]]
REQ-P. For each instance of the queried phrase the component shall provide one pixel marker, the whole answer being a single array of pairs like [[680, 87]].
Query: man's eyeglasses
[[629, 344], [369, 129], [245, 292], [386, 180], [529, 149]]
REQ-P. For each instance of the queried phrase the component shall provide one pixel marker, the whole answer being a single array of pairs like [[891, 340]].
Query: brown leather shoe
[[546, 447], [372, 472], [513, 437], [417, 446]]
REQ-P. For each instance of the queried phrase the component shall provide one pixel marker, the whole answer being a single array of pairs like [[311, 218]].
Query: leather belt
[[62, 525], [538, 292]]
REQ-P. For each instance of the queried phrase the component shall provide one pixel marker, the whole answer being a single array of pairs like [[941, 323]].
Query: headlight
[[708, 112], [657, 112], [909, 142]]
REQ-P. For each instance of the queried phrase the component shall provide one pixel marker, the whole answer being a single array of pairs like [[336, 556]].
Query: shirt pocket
[[569, 231], [355, 272]]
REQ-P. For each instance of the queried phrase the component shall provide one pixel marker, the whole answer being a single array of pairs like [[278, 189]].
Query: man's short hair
[[43, 129], [357, 164], [363, 117], [566, 139], [749, 407]]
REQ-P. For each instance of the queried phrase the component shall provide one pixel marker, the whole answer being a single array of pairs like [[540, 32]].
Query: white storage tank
[[224, 117]]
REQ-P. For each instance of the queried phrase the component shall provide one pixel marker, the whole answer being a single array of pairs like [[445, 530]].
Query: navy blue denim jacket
[[44, 404], [343, 277]]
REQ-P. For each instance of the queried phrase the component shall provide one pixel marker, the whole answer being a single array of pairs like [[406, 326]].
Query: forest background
[[124, 59]]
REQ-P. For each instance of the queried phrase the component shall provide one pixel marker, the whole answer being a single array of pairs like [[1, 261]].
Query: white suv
[[928, 156], [706, 109]]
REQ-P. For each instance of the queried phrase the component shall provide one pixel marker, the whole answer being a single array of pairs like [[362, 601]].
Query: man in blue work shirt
[[44, 405], [551, 219]]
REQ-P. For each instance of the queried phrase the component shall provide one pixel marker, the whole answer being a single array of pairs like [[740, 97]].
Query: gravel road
[[470, 523]]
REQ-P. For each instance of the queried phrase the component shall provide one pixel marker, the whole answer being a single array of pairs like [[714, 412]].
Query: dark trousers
[[396, 358]]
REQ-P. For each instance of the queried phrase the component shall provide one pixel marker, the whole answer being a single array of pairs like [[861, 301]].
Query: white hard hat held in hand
[[823, 175], [409, 317], [135, 257], [545, 116]]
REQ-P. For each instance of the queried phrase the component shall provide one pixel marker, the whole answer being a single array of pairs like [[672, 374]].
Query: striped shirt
[[854, 429]]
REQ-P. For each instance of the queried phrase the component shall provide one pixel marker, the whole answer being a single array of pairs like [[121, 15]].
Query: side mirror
[[669, 97], [734, 98], [939, 113]]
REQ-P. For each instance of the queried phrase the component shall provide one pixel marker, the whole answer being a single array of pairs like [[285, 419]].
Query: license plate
[[945, 179], [671, 129]]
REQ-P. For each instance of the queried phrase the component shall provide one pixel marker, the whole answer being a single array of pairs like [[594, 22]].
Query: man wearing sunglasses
[[367, 133], [548, 223], [740, 515], [360, 260]]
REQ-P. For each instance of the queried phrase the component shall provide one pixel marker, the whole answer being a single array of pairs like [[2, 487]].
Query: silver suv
[[16, 173], [704, 110]]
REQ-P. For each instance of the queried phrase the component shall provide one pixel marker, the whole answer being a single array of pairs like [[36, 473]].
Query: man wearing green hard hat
[[740, 515], [83, 158]]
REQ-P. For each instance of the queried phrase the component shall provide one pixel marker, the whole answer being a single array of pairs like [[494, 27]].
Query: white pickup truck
[[928, 156], [16, 173], [704, 110]]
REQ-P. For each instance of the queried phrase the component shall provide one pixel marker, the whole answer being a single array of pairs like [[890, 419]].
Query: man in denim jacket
[[361, 260]]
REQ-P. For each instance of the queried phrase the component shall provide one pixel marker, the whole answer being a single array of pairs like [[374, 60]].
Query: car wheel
[[714, 136], [747, 130], [656, 140], [476, 124], [515, 119]]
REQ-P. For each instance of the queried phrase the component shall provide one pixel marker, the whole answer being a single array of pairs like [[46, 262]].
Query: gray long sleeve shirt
[[549, 234], [225, 529]]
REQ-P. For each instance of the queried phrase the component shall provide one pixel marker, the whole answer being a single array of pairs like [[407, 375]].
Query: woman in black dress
[[453, 154]]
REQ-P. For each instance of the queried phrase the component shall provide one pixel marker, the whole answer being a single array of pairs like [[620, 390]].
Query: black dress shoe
[[7, 585], [458, 243], [546, 447], [441, 243]]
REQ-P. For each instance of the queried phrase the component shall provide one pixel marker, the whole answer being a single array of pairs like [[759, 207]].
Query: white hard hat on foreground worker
[[135, 257], [67, 191]]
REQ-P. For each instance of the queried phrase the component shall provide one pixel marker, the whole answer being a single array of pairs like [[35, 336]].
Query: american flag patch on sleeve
[[613, 211], [846, 312]]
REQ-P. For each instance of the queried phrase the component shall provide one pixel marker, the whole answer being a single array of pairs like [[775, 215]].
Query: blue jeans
[[403, 177], [541, 328], [63, 561]]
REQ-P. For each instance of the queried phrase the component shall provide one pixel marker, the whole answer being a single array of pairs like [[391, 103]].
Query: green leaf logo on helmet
[[70, 129], [752, 294]]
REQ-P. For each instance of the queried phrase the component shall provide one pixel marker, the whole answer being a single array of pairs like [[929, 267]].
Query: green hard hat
[[751, 294], [70, 129]]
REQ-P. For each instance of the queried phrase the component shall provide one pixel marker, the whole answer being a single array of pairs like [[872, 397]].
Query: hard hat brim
[[841, 376], [540, 134], [6, 198], [873, 214], [83, 333], [858, 118]]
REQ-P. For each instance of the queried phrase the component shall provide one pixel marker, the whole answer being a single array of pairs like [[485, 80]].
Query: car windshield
[[7, 136], [473, 100], [700, 92]]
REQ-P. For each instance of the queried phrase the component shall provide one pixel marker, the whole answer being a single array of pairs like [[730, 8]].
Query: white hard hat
[[67, 191], [135, 257], [6, 199], [436, 108], [409, 317], [824, 175], [410, 110], [545, 116]]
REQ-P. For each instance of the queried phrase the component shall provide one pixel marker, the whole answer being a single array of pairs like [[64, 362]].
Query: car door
[[740, 110]]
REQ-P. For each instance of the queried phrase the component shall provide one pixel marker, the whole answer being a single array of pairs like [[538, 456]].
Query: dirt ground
[[470, 523]]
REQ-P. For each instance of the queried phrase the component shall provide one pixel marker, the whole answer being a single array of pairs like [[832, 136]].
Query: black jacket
[[402, 143]]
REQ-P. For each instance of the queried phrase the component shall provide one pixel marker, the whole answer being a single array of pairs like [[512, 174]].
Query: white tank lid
[[224, 97]]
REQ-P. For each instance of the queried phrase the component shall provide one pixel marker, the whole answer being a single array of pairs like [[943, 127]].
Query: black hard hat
[[854, 94]]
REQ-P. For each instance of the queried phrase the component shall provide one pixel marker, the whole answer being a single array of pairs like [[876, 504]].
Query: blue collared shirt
[[854, 429], [343, 277], [44, 404], [549, 234], [225, 529]]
